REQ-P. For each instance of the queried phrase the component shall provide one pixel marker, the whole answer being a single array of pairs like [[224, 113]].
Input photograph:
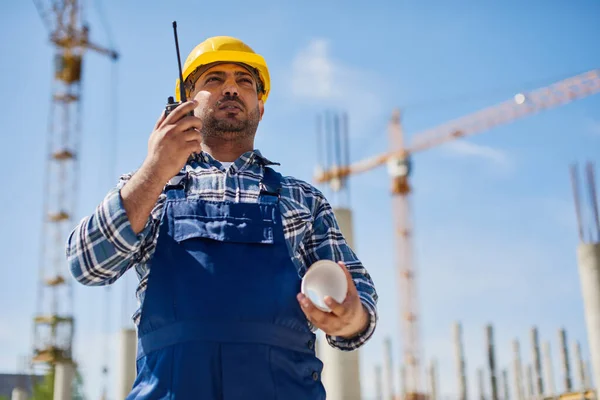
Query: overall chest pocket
[[225, 222], [223, 229]]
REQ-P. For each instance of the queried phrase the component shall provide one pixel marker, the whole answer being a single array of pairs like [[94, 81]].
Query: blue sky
[[495, 228]]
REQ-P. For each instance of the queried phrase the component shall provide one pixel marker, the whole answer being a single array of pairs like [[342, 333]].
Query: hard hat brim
[[251, 59]]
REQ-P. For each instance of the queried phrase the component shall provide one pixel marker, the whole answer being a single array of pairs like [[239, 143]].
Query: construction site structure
[[341, 369], [433, 380], [388, 369], [536, 362], [564, 360], [548, 370], [519, 388], [54, 324], [399, 162], [18, 394], [586, 395], [461, 365], [530, 383], [505, 385], [402, 371], [525, 384], [491, 361], [580, 365], [481, 384], [126, 370], [63, 380], [589, 271], [588, 258]]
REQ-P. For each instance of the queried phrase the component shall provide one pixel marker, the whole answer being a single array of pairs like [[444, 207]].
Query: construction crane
[[53, 328], [398, 160]]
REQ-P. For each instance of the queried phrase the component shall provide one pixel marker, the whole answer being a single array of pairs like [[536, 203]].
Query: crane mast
[[399, 170], [54, 323]]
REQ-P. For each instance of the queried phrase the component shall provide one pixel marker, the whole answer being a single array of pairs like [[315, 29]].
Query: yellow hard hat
[[221, 49]]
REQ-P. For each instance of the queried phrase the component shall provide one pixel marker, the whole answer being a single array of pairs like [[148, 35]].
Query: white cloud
[[496, 156], [313, 72], [495, 161], [319, 79]]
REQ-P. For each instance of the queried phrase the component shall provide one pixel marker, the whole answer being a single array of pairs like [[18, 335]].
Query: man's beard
[[229, 129]]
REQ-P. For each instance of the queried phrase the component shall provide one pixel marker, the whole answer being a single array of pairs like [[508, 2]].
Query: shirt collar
[[246, 159]]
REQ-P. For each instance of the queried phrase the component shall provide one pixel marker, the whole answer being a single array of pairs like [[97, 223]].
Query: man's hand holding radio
[[174, 138]]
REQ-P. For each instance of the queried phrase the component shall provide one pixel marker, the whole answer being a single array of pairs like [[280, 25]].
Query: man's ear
[[261, 107]]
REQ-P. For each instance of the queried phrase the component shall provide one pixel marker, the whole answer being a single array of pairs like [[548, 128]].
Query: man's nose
[[230, 88]]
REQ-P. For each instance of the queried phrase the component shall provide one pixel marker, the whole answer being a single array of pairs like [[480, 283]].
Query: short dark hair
[[190, 81]]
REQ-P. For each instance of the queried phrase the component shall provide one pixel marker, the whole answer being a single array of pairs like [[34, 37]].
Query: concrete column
[[580, 385], [433, 381], [341, 373], [492, 362], [588, 255], [480, 383], [530, 384], [505, 385], [341, 369], [460, 362], [548, 369], [388, 368], [402, 381], [64, 373], [518, 372], [564, 359], [18, 394], [537, 363], [126, 369], [378, 384], [588, 377]]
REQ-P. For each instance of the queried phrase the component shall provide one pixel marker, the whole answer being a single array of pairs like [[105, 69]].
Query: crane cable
[[104, 24], [43, 14]]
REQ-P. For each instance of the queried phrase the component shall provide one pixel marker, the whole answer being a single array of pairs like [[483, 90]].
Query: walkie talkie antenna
[[181, 83]]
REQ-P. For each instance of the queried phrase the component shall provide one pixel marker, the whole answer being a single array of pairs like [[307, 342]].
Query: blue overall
[[220, 319]]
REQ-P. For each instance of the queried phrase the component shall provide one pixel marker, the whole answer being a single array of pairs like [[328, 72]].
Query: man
[[220, 241]]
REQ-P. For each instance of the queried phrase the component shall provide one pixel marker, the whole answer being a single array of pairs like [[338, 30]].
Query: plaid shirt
[[103, 246]]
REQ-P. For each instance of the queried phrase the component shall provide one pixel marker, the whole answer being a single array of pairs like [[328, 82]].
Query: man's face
[[228, 102]]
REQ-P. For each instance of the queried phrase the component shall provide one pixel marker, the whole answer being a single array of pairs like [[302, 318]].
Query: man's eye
[[247, 80], [212, 78]]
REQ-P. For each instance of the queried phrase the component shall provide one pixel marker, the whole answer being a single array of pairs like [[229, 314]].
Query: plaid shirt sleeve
[[103, 246], [326, 241]]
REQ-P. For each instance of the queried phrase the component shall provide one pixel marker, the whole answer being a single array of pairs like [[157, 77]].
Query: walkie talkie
[[171, 103]]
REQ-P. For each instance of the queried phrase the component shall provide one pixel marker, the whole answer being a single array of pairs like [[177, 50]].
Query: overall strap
[[175, 188], [270, 186]]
